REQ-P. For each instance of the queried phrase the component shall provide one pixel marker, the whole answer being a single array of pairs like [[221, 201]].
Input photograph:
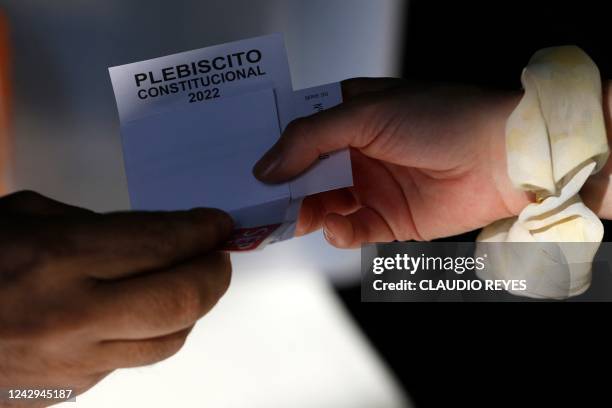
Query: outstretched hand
[[428, 161]]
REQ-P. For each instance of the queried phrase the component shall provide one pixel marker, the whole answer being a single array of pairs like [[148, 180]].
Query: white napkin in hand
[[555, 139]]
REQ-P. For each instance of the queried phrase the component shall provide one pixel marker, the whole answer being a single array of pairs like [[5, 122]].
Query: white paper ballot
[[194, 124], [211, 161]]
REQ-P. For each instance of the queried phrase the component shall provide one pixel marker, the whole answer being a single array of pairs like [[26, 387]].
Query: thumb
[[350, 124]]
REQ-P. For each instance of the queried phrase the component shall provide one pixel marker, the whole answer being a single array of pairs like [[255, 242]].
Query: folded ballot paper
[[194, 124]]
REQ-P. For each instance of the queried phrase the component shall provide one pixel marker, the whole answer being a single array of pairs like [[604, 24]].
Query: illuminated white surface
[[275, 340]]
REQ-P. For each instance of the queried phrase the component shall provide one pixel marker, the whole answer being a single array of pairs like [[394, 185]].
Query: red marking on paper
[[246, 239]]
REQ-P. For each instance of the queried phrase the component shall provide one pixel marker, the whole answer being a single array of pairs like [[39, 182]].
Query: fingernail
[[268, 163], [329, 236]]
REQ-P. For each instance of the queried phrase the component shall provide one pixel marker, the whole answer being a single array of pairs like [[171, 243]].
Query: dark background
[[464, 354]]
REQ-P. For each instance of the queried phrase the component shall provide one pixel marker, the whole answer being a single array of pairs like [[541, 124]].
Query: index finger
[[121, 244]]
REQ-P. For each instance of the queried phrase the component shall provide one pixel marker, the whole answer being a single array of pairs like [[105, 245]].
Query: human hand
[[82, 293], [428, 161]]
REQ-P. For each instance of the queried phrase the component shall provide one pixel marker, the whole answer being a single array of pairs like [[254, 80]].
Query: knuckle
[[49, 254], [187, 302], [25, 196], [209, 280], [217, 275], [66, 321]]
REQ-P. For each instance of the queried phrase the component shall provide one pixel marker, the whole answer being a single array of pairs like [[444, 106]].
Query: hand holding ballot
[[193, 125], [428, 161], [82, 293]]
